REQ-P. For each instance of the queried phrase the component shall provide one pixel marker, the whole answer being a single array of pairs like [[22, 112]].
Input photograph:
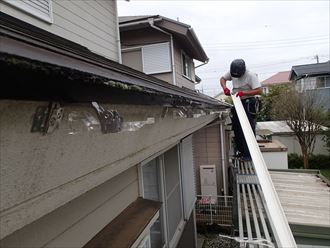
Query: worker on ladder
[[246, 85]]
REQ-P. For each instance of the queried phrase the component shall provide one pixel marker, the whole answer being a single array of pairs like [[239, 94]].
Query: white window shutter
[[156, 58], [39, 8]]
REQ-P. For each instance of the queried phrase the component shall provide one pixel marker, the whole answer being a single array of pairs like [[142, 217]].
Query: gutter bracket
[[47, 118]]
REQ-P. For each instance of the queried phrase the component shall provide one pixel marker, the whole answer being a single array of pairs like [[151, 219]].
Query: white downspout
[[222, 141], [151, 22], [118, 35]]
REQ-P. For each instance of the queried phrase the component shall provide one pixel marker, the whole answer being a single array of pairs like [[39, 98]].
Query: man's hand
[[226, 91], [240, 94]]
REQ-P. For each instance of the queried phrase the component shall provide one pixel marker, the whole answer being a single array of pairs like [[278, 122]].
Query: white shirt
[[249, 81]]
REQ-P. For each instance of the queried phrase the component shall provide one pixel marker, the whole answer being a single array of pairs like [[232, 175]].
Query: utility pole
[[317, 58]]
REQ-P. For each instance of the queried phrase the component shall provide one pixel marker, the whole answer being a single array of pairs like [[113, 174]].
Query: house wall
[[181, 80], [147, 36], [39, 173], [291, 142], [207, 151], [75, 223], [137, 39], [91, 24]]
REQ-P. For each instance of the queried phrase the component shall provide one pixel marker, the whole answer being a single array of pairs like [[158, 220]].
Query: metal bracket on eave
[[47, 118], [111, 121], [281, 228]]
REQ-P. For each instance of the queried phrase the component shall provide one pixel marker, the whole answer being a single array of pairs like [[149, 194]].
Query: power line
[[300, 39], [258, 46], [256, 66]]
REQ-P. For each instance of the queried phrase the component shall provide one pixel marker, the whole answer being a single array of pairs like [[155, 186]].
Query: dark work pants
[[249, 105]]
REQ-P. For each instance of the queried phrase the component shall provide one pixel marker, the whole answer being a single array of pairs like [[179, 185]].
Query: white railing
[[214, 210]]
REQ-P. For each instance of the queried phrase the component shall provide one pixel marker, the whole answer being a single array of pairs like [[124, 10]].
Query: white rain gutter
[[222, 141], [151, 22], [118, 36], [281, 228]]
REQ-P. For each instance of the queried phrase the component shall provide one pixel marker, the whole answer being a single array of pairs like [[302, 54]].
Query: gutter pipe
[[118, 35], [151, 22], [281, 229], [222, 141]]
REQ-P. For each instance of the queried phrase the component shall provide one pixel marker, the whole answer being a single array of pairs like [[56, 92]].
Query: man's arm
[[223, 82], [253, 92]]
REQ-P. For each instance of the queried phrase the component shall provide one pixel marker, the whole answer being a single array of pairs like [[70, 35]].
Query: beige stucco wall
[[91, 24], [78, 221], [40, 173]]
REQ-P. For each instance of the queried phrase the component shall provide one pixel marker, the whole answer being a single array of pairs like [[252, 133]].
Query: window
[[150, 174], [38, 8], [145, 243], [188, 176], [323, 82], [156, 58], [187, 65]]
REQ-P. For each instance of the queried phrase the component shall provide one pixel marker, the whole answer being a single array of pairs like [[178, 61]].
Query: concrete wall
[[91, 24], [40, 173], [276, 160], [75, 223], [293, 146]]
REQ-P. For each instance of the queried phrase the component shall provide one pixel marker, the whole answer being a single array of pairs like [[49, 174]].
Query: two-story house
[[93, 153], [167, 49], [313, 77]]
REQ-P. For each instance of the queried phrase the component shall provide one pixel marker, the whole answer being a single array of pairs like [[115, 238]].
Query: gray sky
[[271, 36]]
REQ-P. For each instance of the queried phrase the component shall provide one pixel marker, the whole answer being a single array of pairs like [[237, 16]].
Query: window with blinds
[[38, 8], [156, 58]]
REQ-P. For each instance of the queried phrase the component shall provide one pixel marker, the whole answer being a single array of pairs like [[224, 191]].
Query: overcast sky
[[271, 36]]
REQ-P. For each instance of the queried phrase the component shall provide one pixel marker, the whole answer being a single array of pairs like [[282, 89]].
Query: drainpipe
[[118, 35], [151, 22], [223, 164]]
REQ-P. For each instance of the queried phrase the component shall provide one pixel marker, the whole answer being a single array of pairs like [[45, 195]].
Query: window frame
[[19, 4], [162, 190], [186, 68]]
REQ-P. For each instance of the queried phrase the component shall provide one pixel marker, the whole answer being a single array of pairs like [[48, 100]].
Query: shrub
[[316, 162]]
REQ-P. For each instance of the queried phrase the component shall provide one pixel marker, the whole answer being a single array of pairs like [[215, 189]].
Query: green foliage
[[326, 138], [316, 162], [267, 101], [326, 173]]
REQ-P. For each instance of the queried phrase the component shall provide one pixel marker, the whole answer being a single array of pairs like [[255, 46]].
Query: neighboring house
[[277, 79], [279, 130], [147, 45], [93, 153], [162, 47], [313, 77]]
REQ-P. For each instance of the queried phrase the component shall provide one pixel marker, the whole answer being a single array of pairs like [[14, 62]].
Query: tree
[[267, 101], [303, 113]]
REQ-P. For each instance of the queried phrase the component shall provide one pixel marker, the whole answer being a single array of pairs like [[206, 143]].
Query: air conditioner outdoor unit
[[209, 182]]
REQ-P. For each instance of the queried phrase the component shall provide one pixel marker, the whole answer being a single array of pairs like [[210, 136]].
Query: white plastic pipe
[[281, 228]]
